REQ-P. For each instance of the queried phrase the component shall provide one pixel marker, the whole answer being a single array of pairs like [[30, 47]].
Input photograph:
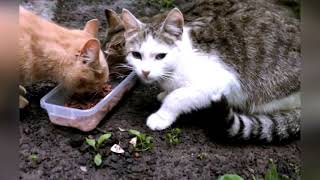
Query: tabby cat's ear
[[90, 51], [173, 24], [113, 20], [131, 23], [92, 27]]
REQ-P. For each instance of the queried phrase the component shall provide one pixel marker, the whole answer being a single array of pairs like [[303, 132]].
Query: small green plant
[[33, 157], [296, 168], [201, 156], [230, 177], [272, 173], [167, 3], [144, 142], [162, 3], [173, 136], [95, 144]]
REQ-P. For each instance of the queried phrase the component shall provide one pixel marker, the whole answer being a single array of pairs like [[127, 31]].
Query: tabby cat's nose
[[145, 73]]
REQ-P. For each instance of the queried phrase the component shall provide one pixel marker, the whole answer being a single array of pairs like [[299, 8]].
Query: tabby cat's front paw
[[157, 122]]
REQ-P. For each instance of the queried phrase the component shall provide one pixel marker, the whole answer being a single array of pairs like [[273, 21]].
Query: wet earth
[[48, 151]]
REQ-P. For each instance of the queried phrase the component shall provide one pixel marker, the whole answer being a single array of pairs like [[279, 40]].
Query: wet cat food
[[88, 100]]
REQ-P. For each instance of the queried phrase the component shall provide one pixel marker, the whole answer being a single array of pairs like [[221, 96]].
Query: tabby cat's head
[[114, 43], [152, 49], [88, 70]]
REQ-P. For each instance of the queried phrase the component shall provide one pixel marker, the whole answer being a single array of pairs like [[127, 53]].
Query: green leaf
[[148, 139], [272, 173], [230, 177], [144, 142], [142, 136], [176, 131], [97, 159], [173, 136], [134, 132], [33, 157], [103, 138], [91, 142]]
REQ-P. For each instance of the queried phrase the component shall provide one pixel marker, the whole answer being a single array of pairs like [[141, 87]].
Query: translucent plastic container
[[86, 119]]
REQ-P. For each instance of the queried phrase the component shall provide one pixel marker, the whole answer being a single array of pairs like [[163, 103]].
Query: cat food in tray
[[86, 119]]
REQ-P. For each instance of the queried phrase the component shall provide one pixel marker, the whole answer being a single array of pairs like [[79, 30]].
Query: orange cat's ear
[[90, 51], [92, 27]]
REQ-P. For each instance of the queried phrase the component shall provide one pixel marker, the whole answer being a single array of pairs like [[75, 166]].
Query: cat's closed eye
[[136, 55], [160, 56]]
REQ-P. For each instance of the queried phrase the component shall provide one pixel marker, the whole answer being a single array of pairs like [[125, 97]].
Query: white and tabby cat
[[264, 99]]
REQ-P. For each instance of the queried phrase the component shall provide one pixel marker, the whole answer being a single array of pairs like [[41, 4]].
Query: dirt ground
[[61, 151]]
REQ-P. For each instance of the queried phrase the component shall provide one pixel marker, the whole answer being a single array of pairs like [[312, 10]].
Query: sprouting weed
[[144, 142], [173, 136], [95, 144]]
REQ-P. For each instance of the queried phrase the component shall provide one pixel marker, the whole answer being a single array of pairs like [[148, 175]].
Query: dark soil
[[61, 151]]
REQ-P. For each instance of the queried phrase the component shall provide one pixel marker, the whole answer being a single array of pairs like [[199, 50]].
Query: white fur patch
[[235, 126], [247, 126], [289, 102], [157, 122], [266, 124]]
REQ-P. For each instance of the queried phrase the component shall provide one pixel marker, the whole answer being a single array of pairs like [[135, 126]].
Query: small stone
[[133, 141], [136, 155], [83, 168], [117, 149]]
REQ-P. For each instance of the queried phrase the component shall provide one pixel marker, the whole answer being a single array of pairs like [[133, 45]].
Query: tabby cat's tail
[[272, 127]]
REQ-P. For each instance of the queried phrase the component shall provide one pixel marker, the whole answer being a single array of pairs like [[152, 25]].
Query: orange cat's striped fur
[[48, 51]]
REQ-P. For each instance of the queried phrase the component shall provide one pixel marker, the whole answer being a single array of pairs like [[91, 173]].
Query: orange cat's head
[[89, 70]]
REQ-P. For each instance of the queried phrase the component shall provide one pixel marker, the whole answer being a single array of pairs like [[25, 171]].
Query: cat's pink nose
[[145, 73]]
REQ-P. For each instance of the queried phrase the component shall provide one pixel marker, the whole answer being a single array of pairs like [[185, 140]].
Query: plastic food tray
[[87, 119]]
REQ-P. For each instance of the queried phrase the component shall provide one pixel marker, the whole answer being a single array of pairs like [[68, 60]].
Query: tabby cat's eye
[[160, 56], [136, 55]]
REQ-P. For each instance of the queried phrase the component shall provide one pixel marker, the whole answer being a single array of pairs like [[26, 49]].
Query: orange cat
[[48, 51]]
